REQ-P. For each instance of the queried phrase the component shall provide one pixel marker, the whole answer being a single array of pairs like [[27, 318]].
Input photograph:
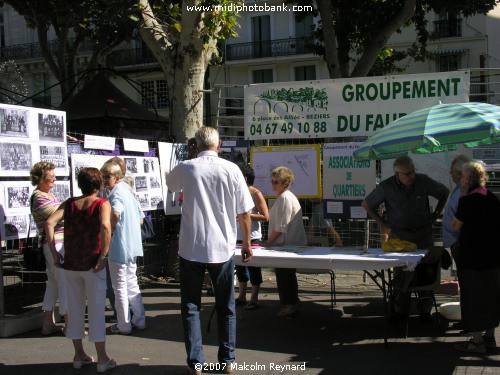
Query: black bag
[[32, 250], [147, 230]]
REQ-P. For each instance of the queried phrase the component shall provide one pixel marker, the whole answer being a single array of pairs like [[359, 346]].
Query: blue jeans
[[191, 276]]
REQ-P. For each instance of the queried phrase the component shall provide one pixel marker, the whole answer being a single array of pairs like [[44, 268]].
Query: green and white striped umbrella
[[435, 129]]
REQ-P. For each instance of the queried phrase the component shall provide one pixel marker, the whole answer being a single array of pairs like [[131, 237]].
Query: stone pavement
[[347, 340]]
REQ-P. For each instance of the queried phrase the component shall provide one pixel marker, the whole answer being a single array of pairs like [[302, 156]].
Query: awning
[[448, 51]]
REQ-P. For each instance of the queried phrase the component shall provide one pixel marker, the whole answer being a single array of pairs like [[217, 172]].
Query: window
[[305, 73], [154, 94], [41, 84], [262, 76], [447, 25], [448, 63], [304, 28], [261, 36]]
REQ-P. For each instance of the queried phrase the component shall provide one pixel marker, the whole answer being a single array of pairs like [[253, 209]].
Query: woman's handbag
[[147, 230], [32, 250]]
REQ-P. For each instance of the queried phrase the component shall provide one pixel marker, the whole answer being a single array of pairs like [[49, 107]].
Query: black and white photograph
[[51, 127], [15, 159], [141, 184], [144, 201], [14, 123], [55, 155], [61, 190], [18, 197], [156, 202], [79, 161], [145, 162], [131, 164], [16, 226], [154, 182]]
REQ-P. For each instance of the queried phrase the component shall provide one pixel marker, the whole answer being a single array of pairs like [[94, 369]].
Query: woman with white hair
[[478, 259]]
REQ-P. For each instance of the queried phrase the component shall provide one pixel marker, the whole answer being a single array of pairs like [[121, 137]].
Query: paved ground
[[348, 340]]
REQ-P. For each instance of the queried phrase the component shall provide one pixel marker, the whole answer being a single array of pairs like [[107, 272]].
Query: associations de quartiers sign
[[345, 107]]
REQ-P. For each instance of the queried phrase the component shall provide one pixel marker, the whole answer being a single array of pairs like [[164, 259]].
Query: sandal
[[83, 362], [239, 302], [471, 347], [252, 305]]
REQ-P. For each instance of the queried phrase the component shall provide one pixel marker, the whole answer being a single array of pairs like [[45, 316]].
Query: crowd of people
[[97, 236]]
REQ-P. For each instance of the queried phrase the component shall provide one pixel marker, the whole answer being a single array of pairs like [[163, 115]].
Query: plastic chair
[[427, 284], [321, 242]]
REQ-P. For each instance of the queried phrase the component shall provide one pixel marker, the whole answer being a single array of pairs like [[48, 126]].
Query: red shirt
[[82, 238]]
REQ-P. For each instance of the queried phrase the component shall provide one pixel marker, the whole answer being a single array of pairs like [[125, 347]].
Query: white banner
[[345, 107], [343, 177]]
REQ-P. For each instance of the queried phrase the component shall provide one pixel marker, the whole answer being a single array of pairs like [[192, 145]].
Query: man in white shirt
[[216, 198]]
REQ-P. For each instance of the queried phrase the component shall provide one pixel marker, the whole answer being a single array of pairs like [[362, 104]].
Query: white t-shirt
[[286, 217], [214, 192]]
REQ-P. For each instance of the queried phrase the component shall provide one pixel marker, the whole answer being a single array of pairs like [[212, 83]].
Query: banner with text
[[345, 107], [343, 177]]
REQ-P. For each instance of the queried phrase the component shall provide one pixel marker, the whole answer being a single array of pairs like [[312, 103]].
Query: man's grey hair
[[459, 161], [206, 138], [402, 161]]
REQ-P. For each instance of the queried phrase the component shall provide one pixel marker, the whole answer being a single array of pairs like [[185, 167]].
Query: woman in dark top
[[478, 259], [87, 234]]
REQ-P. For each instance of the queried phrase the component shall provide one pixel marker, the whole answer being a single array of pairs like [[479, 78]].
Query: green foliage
[[356, 22]]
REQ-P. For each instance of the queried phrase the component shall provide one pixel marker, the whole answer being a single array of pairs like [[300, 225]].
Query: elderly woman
[[87, 234], [286, 228], [126, 246], [478, 259], [43, 204]]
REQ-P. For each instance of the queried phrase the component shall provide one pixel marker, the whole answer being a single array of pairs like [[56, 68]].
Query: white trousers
[[127, 295], [90, 287], [56, 284]]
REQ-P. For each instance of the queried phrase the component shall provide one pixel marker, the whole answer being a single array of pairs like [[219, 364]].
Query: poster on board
[[29, 135], [303, 160], [343, 177], [170, 155], [145, 170]]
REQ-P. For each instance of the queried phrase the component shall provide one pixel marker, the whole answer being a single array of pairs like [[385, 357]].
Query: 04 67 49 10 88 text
[[316, 127]]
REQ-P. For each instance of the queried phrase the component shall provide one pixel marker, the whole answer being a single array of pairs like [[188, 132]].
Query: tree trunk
[[379, 41], [331, 53]]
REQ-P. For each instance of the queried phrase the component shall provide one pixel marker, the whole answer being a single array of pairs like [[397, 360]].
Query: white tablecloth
[[342, 258]]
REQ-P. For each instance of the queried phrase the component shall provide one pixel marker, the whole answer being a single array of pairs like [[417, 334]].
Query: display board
[[146, 171], [15, 206], [345, 107], [343, 177], [170, 155], [29, 135], [303, 160]]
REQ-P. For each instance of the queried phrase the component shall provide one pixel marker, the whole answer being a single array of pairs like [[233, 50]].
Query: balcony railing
[[448, 28], [33, 51], [269, 48], [134, 56]]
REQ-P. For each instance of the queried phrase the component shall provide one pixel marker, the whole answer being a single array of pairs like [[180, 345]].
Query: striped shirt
[[42, 206]]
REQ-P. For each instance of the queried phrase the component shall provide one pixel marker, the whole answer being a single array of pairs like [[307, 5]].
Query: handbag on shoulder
[[147, 230]]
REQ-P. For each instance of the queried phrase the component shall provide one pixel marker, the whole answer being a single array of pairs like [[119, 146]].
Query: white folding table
[[374, 262]]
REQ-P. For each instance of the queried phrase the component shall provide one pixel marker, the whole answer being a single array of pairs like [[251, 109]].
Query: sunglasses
[[275, 182]]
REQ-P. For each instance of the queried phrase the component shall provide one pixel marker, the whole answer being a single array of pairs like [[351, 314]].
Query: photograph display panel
[[145, 170], [29, 135], [16, 197], [170, 155]]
